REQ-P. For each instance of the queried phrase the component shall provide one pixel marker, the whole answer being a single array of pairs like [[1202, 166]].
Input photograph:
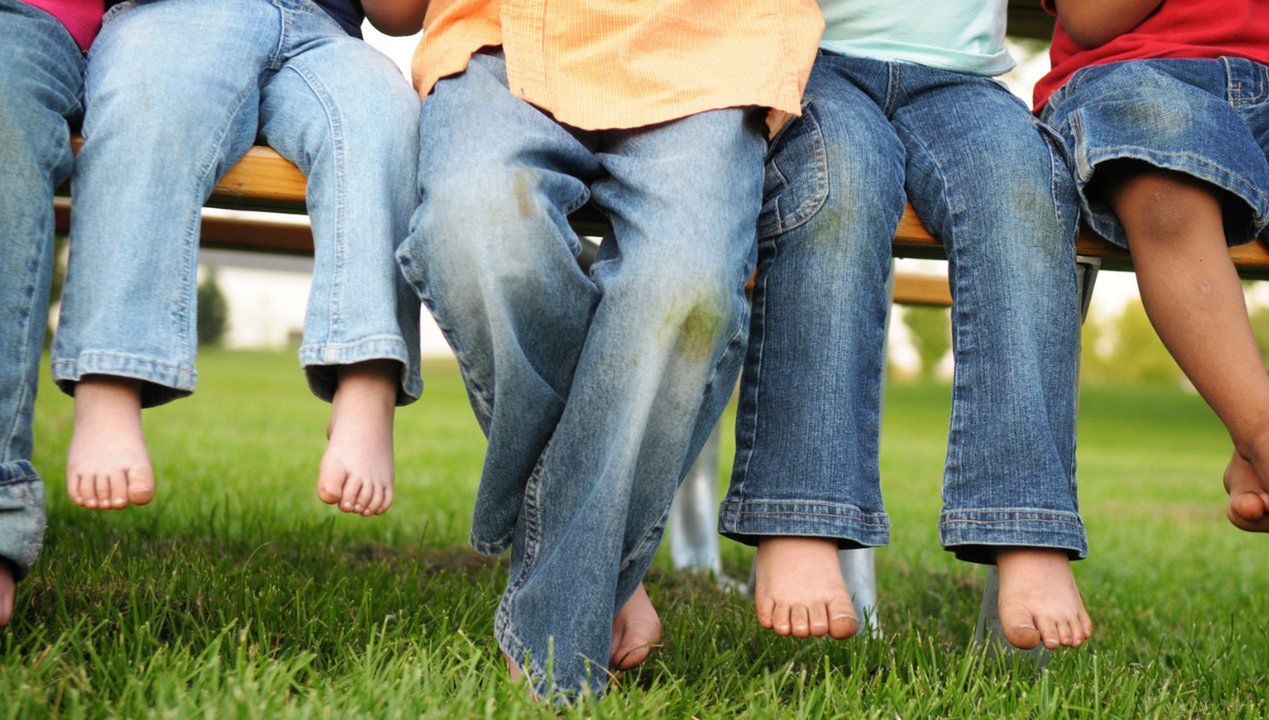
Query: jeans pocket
[[1065, 199], [796, 183]]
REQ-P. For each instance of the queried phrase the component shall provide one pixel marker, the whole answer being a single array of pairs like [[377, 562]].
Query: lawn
[[238, 594]]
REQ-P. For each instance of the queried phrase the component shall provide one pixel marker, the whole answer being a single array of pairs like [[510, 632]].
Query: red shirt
[[1194, 29], [82, 18]]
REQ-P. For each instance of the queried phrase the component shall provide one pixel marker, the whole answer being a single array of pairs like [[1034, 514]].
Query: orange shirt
[[606, 64]]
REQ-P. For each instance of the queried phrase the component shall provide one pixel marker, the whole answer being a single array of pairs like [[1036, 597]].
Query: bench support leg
[[989, 629], [693, 520]]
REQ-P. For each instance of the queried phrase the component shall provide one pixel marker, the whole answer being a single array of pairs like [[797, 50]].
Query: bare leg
[[357, 470], [1192, 294], [1039, 601], [108, 466], [799, 590], [8, 591]]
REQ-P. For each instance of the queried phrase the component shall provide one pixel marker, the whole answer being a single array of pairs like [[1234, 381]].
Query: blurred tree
[[1260, 326], [931, 331], [1138, 354], [213, 311]]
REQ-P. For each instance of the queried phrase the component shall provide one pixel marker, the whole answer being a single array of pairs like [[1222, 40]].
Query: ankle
[[1007, 556], [1252, 444], [371, 381], [105, 392]]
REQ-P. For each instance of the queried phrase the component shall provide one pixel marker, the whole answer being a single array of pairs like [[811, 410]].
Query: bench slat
[[264, 180]]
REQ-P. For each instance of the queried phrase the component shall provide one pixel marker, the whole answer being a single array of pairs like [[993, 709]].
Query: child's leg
[[996, 189], [41, 80], [1177, 191], [1191, 291], [806, 476], [614, 380], [172, 105], [341, 111]]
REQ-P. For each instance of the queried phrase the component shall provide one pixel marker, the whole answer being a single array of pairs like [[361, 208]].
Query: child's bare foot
[[1039, 601], [799, 589], [635, 631], [357, 469], [516, 675], [1248, 507], [8, 591], [108, 466]]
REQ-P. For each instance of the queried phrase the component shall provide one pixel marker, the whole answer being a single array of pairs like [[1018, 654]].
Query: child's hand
[[1092, 23], [396, 17]]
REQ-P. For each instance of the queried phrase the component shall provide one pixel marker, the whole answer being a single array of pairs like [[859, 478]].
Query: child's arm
[[1092, 23], [395, 17]]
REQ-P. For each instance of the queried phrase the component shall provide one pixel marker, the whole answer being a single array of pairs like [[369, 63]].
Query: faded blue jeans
[[178, 91], [595, 390], [41, 84], [993, 183]]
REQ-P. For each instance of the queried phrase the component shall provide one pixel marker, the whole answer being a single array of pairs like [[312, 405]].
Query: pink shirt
[[82, 18]]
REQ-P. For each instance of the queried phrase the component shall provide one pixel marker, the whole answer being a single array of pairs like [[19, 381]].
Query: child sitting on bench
[[902, 105], [1165, 105], [42, 45], [177, 92]]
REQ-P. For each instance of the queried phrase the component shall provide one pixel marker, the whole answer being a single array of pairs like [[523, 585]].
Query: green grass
[[237, 594]]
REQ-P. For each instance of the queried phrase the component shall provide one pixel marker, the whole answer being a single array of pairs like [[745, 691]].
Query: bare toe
[[330, 482], [118, 490], [376, 500], [780, 619], [352, 489], [363, 497], [842, 622], [1020, 629], [140, 484], [819, 619], [765, 609], [801, 620]]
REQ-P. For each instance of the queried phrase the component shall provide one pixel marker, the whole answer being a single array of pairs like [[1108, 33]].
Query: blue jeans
[[993, 183], [41, 84], [595, 391], [1208, 119], [177, 91]]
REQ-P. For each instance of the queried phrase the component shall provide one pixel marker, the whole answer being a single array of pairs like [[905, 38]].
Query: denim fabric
[[993, 183], [1205, 118], [41, 85], [596, 391], [178, 91]]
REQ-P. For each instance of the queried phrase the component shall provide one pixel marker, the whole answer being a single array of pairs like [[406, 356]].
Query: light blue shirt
[[961, 35]]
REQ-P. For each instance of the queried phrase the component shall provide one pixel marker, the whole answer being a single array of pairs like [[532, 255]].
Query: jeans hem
[[162, 381], [22, 516], [750, 521], [975, 535], [18, 471], [538, 675], [319, 361], [489, 548]]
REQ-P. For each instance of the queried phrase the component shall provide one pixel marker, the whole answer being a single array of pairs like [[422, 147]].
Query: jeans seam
[[952, 248], [334, 322], [24, 387], [854, 519], [760, 299], [193, 226]]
